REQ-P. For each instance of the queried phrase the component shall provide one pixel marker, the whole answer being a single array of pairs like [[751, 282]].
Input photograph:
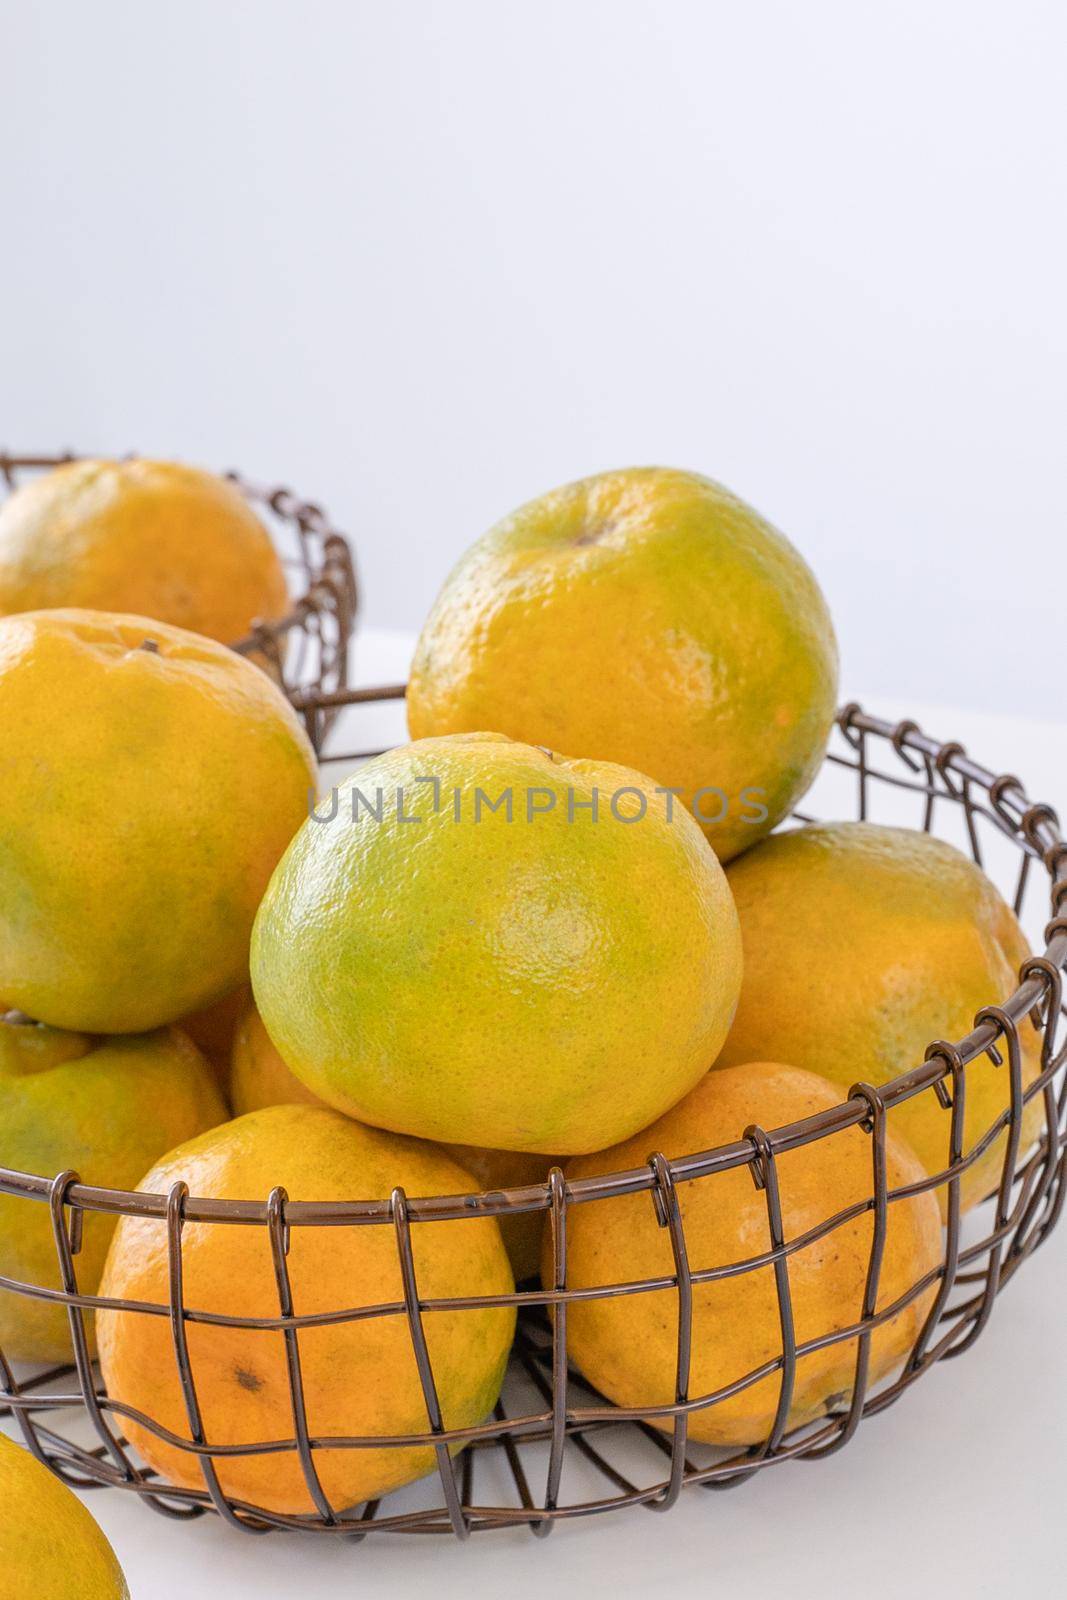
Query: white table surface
[[959, 1489]]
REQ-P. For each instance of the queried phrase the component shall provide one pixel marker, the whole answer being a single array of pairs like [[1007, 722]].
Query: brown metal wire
[[551, 1420]]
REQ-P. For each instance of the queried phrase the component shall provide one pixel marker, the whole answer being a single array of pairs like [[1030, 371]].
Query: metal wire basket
[[554, 1448], [307, 649]]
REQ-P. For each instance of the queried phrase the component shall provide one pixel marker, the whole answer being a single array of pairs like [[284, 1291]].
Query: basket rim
[[1034, 824]]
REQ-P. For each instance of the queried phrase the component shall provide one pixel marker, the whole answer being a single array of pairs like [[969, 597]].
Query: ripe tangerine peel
[[149, 781], [627, 1346], [105, 1108], [646, 617], [151, 538], [541, 984], [360, 1377], [49, 1544], [865, 943], [259, 1077]]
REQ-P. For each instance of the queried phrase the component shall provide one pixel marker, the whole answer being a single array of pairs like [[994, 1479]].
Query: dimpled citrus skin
[[145, 797], [50, 1547], [259, 1077], [149, 537], [544, 985], [360, 1377], [864, 944], [647, 617], [104, 1108], [627, 1347]]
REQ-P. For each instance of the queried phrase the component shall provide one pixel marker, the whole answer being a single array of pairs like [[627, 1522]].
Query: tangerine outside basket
[[554, 1448]]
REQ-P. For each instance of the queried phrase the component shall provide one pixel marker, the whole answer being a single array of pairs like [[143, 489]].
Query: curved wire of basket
[[554, 1448], [307, 649]]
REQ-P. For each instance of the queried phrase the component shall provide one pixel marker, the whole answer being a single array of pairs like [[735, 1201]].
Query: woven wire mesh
[[555, 1448], [307, 648]]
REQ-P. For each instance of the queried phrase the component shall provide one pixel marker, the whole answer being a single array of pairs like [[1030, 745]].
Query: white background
[[427, 260]]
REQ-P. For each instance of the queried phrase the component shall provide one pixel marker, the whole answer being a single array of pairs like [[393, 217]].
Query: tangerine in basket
[[627, 1345], [150, 537], [863, 945], [647, 617], [360, 1376], [259, 1077], [149, 781], [483, 943], [104, 1108]]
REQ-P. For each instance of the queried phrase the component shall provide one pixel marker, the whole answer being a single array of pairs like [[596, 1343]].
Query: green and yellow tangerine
[[545, 985]]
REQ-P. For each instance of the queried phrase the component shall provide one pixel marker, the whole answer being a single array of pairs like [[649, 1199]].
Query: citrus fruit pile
[[562, 925]]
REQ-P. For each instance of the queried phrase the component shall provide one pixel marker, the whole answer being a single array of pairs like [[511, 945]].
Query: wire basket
[[307, 649], [554, 1448]]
